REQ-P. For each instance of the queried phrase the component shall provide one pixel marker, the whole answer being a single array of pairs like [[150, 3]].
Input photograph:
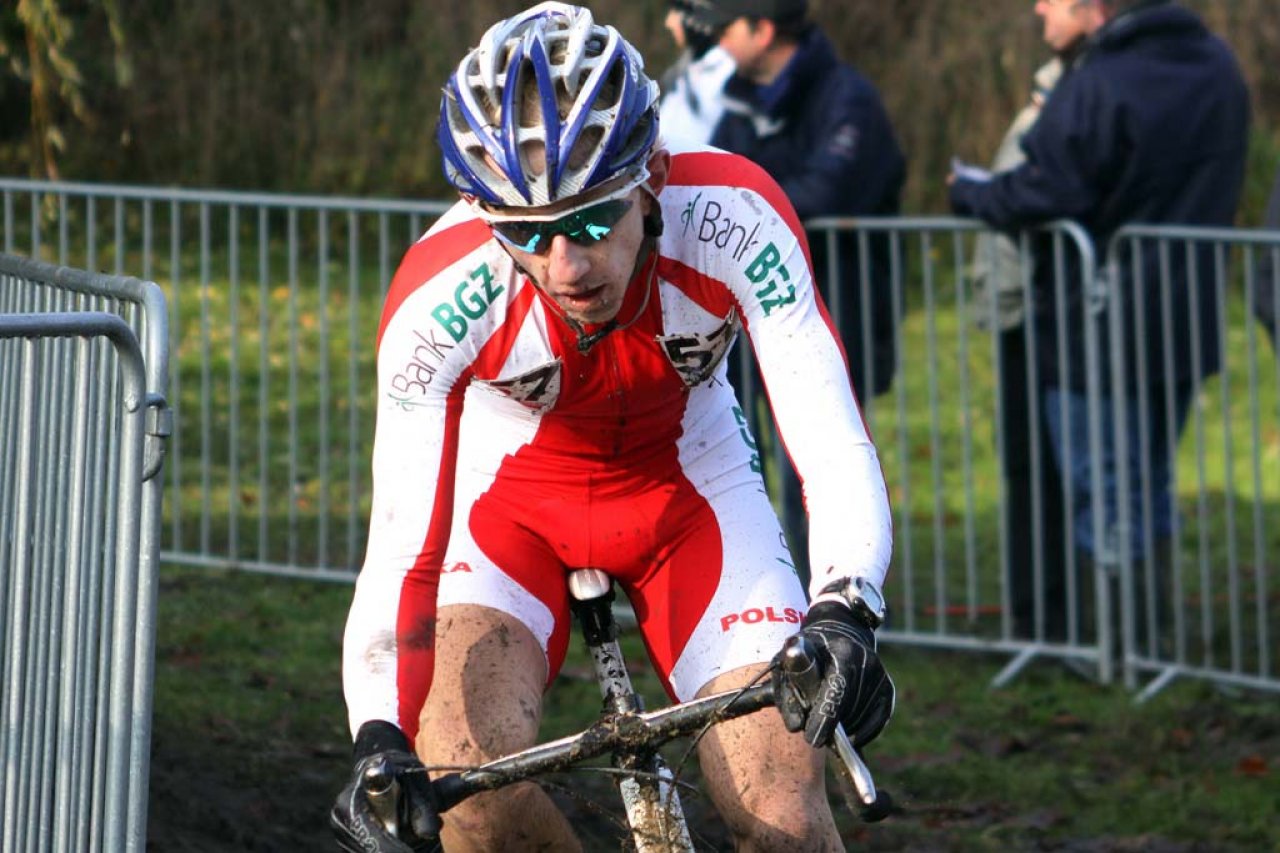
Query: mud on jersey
[[482, 389]]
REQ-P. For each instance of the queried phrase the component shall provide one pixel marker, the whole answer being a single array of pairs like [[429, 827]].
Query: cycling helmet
[[549, 105]]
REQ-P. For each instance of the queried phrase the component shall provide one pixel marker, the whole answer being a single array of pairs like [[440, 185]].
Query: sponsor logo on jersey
[[536, 389], [471, 299], [711, 223], [459, 566], [696, 355], [758, 615], [745, 432], [769, 270], [411, 381]]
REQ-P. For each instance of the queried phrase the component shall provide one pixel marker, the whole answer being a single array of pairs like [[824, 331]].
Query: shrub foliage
[[340, 96]]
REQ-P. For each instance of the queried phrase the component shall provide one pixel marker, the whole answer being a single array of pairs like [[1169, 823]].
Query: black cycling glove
[[847, 684], [388, 806]]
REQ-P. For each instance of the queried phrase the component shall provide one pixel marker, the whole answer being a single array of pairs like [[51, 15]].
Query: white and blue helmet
[[549, 105]]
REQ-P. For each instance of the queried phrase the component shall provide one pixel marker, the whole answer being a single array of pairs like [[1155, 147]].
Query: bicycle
[[632, 736]]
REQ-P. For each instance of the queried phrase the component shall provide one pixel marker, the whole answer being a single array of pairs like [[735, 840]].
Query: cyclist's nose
[[566, 260]]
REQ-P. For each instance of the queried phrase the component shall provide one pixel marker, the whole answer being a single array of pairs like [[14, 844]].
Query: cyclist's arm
[[807, 380], [422, 371], [821, 425]]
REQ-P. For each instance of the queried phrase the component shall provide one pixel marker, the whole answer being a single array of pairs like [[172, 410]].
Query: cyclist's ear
[[659, 166]]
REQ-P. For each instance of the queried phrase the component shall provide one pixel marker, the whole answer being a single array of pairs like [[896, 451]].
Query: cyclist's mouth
[[582, 299]]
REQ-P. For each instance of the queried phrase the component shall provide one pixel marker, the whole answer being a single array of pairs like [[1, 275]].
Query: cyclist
[[552, 395]]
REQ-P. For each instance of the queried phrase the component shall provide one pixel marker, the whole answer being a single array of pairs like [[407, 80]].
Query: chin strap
[[586, 340]]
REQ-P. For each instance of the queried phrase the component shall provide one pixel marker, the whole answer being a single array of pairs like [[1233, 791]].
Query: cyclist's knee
[[486, 695], [768, 784], [783, 814], [516, 817]]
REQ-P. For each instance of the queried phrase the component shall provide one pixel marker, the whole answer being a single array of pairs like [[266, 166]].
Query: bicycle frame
[[633, 736]]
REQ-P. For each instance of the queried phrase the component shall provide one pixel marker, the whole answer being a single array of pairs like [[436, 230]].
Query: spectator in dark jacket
[[1147, 125], [819, 129]]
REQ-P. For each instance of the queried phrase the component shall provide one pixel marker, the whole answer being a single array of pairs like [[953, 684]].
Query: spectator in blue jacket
[[1148, 124], [818, 127]]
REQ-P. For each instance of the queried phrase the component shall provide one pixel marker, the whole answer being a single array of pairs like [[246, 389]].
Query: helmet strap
[[653, 221]]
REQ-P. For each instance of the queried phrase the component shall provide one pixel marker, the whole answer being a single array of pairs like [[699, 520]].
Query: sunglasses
[[584, 227]]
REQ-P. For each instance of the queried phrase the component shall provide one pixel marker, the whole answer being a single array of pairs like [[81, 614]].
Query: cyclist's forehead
[[565, 206]]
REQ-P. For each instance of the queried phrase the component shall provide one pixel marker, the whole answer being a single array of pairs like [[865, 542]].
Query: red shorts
[[705, 567]]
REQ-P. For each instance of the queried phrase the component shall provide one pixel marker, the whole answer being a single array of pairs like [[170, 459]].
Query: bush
[[341, 96]]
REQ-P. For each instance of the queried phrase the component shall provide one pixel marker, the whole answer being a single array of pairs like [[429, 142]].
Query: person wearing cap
[[693, 87], [1148, 125], [819, 128], [552, 395]]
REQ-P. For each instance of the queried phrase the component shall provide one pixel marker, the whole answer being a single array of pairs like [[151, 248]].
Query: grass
[[251, 741]]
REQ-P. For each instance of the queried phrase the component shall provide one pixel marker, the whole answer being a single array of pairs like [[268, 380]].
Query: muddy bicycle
[[633, 737]]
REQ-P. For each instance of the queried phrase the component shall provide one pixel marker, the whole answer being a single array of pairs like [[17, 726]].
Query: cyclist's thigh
[[724, 596], [486, 693], [511, 569]]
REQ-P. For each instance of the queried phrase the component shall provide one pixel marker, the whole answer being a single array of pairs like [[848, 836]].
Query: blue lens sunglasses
[[584, 227]]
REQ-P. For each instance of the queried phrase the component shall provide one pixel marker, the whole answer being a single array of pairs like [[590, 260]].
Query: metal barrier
[[1205, 603], [943, 430], [274, 301], [82, 421]]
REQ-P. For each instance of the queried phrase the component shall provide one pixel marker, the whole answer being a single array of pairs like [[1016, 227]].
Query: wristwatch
[[859, 595]]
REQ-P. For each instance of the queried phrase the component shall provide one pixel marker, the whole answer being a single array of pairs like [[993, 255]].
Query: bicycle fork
[[652, 804]]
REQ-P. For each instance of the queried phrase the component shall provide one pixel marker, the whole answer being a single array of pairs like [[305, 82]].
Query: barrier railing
[[82, 419], [946, 427], [1205, 602], [274, 302]]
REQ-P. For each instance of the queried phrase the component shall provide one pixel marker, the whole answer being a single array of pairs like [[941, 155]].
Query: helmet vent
[[607, 98], [585, 147]]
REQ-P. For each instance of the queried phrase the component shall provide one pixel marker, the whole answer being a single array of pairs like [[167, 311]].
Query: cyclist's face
[[588, 280], [1068, 21]]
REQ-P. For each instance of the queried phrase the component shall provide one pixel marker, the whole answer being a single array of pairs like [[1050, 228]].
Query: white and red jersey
[[489, 415]]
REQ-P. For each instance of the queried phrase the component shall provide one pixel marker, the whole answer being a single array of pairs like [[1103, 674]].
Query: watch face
[[870, 596]]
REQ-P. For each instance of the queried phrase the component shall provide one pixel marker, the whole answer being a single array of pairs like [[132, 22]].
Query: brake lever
[[802, 665], [382, 789]]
